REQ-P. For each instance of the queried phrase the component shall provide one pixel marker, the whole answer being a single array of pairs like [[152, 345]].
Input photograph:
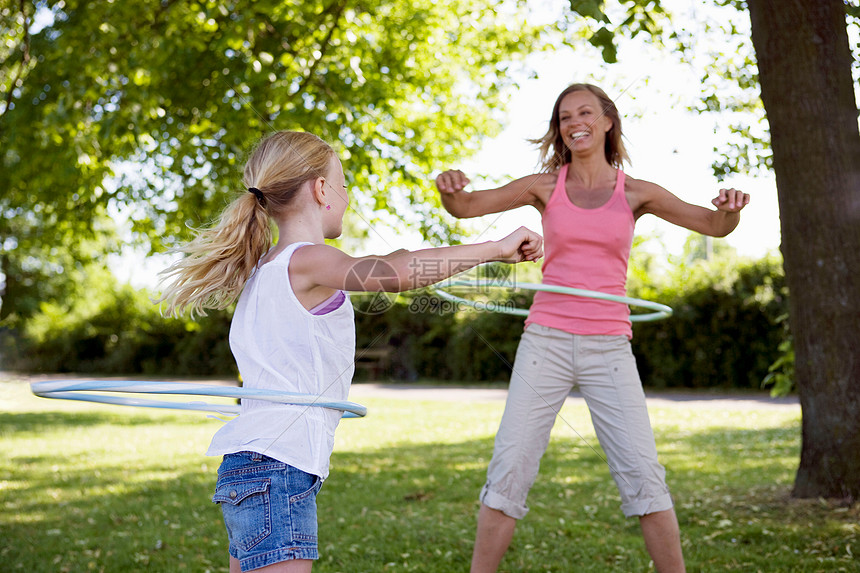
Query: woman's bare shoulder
[[642, 195], [631, 182], [538, 178], [633, 185], [539, 186]]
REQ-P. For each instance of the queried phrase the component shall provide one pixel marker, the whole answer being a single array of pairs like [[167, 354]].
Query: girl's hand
[[451, 181], [521, 245], [731, 200]]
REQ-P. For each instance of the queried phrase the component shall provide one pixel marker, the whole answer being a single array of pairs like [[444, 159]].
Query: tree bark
[[804, 64]]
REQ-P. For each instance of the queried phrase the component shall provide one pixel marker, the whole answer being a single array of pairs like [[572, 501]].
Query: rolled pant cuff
[[640, 507], [499, 502]]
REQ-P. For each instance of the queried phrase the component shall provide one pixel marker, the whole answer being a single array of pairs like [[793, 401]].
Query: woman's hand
[[521, 245], [731, 200], [451, 181]]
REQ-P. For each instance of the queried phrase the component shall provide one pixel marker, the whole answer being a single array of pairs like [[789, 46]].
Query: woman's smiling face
[[582, 123]]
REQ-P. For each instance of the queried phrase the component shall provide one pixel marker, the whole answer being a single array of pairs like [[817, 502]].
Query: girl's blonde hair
[[219, 260], [554, 153]]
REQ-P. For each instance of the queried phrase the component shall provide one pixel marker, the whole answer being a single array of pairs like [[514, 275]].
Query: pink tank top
[[586, 249]]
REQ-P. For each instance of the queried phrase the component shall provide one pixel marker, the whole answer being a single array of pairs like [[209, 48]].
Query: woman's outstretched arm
[[651, 198], [530, 190]]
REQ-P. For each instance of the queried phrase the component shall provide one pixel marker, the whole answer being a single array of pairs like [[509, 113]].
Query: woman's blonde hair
[[554, 153], [219, 260]]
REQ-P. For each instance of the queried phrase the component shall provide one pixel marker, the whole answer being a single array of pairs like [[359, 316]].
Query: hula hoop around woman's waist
[[660, 310]]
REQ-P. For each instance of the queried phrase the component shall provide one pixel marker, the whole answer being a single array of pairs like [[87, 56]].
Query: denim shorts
[[269, 509]]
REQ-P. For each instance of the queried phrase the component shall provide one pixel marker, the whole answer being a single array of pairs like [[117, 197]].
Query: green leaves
[[149, 109], [781, 373], [590, 9], [635, 17], [603, 39]]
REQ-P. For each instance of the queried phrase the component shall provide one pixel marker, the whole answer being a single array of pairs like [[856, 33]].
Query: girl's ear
[[318, 190]]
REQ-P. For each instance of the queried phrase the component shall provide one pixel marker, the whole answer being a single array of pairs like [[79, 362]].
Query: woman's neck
[[589, 170]]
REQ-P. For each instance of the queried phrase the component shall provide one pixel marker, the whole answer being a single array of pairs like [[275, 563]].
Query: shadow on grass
[[412, 508], [14, 422], [110, 520]]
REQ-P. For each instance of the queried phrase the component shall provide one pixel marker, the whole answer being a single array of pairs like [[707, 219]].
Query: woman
[[588, 209]]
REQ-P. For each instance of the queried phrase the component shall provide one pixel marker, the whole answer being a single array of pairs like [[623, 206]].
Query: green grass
[[91, 487]]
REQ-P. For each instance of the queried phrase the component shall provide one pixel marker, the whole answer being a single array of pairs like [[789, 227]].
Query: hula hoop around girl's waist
[[72, 390]]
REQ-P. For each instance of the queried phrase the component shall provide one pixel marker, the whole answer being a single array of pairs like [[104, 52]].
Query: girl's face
[[338, 199], [582, 123]]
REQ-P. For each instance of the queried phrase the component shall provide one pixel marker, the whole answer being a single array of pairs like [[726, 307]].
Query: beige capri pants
[[549, 363]]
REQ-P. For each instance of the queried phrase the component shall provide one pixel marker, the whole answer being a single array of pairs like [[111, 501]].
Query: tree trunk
[[804, 64]]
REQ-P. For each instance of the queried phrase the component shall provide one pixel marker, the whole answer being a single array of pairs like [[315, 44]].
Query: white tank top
[[278, 344]]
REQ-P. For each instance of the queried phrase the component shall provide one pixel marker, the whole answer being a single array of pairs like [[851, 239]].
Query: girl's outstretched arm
[[326, 268]]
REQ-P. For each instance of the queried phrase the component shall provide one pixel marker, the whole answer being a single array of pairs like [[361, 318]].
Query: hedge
[[725, 332]]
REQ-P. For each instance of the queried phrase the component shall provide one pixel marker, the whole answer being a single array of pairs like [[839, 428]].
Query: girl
[[293, 330], [588, 209]]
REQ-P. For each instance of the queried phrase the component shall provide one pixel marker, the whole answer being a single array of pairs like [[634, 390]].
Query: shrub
[[725, 332]]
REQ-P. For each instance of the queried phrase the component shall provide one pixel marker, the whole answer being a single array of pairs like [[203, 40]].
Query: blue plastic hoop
[[660, 310], [71, 390]]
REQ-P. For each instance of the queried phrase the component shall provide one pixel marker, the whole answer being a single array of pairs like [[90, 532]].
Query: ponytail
[[220, 259]]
